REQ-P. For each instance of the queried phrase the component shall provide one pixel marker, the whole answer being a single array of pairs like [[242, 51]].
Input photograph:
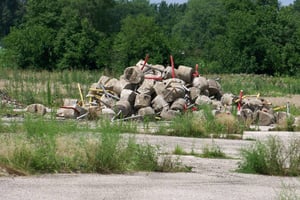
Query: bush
[[272, 157]]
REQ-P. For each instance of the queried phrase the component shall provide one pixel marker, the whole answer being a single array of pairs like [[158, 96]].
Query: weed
[[104, 126], [39, 127], [107, 152], [272, 157], [187, 125], [169, 165], [179, 151], [213, 151]]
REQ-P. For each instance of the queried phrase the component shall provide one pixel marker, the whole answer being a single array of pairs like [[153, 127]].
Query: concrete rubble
[[146, 90], [156, 91]]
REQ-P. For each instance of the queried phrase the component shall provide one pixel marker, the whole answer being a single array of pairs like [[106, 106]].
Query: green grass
[[272, 157], [204, 123], [179, 151], [213, 151], [187, 126], [51, 146], [48, 88], [208, 151], [254, 84], [104, 125]]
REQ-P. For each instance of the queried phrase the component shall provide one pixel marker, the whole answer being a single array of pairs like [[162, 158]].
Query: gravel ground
[[210, 179]]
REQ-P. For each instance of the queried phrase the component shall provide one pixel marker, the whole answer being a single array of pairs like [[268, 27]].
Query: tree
[[11, 12], [76, 42], [55, 35], [203, 21], [252, 38], [32, 46], [140, 36], [125, 8], [288, 21]]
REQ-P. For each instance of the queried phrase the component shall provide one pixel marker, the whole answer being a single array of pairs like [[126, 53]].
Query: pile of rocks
[[146, 90], [260, 112]]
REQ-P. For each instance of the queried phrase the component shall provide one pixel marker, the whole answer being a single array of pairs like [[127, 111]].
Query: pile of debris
[[146, 90], [156, 91], [6, 100]]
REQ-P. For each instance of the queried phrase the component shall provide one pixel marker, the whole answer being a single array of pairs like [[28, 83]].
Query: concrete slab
[[261, 135]]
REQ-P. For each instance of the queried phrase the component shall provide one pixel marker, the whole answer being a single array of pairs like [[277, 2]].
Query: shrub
[[272, 157]]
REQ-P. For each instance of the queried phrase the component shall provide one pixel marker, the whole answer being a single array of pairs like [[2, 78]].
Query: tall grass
[[50, 146], [272, 157], [253, 84], [48, 88], [204, 123], [104, 125]]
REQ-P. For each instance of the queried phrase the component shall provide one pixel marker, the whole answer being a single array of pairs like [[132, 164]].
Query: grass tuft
[[272, 157], [213, 151]]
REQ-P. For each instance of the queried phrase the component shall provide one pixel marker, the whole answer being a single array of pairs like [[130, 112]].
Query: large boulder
[[264, 118]]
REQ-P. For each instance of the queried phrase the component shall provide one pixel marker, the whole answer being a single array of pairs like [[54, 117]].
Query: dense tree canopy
[[229, 36]]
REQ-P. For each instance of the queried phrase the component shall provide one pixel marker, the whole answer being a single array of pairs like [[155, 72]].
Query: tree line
[[223, 36]]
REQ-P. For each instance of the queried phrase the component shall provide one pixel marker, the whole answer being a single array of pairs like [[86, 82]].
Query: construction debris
[[147, 90], [156, 91]]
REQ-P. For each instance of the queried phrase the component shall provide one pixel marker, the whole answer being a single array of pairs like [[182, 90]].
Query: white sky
[[284, 2]]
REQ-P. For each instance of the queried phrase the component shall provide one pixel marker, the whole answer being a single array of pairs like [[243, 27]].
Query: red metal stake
[[145, 61], [156, 78], [172, 64], [196, 73], [240, 101]]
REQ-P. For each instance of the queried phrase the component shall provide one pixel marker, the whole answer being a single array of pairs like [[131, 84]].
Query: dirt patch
[[280, 101]]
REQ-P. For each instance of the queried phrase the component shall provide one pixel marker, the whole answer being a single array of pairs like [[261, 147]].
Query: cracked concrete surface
[[210, 179]]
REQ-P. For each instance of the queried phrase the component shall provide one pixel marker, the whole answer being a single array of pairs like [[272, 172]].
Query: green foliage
[[179, 150], [12, 127], [32, 46], [106, 126], [76, 42], [139, 36], [213, 151], [187, 125], [40, 127], [254, 84], [229, 36], [11, 12], [272, 157], [64, 151]]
